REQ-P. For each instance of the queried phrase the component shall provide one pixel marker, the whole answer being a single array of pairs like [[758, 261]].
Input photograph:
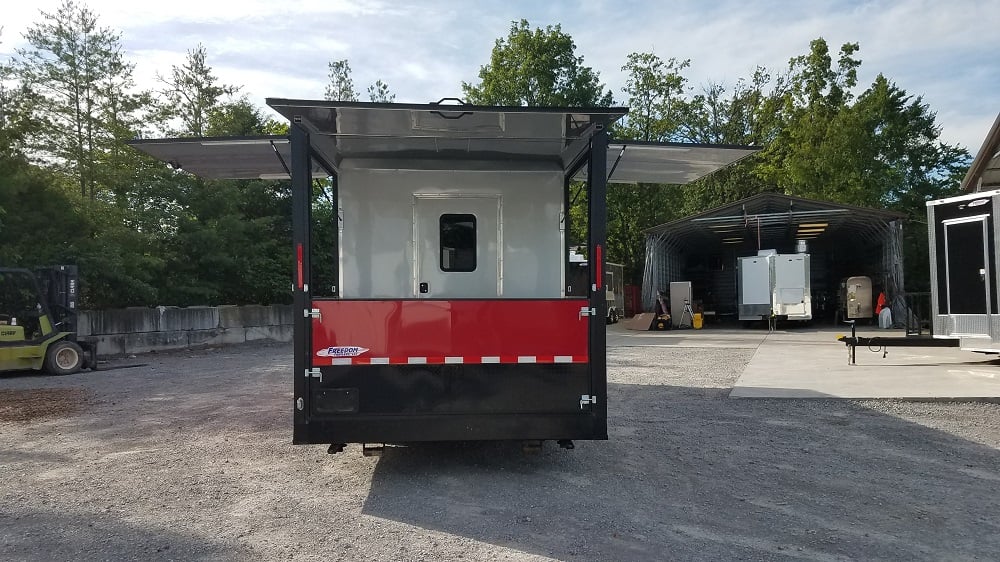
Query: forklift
[[38, 322]]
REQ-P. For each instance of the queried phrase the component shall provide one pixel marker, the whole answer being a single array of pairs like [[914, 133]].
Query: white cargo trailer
[[774, 285]]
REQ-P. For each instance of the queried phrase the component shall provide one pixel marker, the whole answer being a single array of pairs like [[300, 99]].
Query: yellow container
[[696, 321]]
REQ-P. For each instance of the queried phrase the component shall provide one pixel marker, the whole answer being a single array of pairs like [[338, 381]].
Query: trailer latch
[[314, 373], [587, 311], [314, 313], [587, 399]]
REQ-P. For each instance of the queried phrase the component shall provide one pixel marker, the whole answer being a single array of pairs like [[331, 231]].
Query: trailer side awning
[[263, 157], [437, 136], [667, 163]]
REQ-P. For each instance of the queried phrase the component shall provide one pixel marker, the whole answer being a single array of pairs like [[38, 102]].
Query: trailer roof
[[984, 174], [394, 135]]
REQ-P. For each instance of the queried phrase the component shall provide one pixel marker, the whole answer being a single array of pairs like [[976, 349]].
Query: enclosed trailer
[[754, 275], [453, 314], [774, 285], [792, 293], [962, 235], [856, 298]]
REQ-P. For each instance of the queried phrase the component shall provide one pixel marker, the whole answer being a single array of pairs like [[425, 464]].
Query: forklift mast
[[60, 287]]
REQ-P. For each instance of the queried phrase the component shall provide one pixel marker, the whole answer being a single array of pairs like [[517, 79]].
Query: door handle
[[424, 288]]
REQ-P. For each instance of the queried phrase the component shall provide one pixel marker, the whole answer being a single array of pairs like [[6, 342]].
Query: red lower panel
[[460, 331]]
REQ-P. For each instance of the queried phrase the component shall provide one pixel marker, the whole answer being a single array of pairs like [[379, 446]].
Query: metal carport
[[843, 240]]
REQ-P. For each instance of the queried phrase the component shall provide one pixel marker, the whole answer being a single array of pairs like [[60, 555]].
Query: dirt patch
[[40, 403]]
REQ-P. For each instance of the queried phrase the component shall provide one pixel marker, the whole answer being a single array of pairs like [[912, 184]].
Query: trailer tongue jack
[[876, 344]]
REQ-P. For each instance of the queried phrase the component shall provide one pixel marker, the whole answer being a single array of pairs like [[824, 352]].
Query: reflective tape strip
[[459, 360]]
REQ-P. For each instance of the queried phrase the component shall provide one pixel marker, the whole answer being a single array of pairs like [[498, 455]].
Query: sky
[[942, 51]]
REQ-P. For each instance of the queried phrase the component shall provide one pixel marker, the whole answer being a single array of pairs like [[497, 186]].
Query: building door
[[967, 268], [457, 241]]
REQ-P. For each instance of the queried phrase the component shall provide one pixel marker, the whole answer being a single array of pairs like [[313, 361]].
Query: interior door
[[968, 276], [456, 241]]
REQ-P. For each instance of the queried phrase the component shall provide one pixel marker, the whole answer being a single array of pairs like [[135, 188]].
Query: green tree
[[654, 91], [536, 67], [379, 92], [242, 118], [803, 159], [192, 91], [655, 94], [78, 77], [341, 84]]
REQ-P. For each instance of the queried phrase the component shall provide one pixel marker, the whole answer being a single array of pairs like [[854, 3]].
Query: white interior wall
[[377, 209]]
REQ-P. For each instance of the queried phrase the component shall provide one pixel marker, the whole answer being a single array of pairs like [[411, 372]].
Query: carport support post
[[597, 178], [302, 303]]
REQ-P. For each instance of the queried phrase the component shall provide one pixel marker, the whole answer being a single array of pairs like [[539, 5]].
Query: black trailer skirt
[[410, 403]]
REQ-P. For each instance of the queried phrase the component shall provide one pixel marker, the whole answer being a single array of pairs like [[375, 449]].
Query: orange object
[[880, 304]]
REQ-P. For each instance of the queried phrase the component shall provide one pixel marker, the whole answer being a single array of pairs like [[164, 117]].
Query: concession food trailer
[[964, 242], [449, 316]]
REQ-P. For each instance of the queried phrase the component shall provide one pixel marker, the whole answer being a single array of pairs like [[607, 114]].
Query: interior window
[[458, 242]]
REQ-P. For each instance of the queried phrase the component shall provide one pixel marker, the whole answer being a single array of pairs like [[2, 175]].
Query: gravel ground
[[189, 457]]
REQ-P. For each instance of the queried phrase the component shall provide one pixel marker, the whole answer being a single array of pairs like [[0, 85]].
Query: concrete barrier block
[[110, 345], [83, 322], [283, 314], [123, 321], [203, 338], [249, 315], [190, 318], [270, 333], [144, 342], [229, 316]]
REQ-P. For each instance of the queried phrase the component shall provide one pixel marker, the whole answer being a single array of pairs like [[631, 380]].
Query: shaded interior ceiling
[[775, 220]]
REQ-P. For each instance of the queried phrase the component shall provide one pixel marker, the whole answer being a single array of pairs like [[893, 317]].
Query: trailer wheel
[[63, 358]]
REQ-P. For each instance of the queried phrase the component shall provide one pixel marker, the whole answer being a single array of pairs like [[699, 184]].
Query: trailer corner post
[[301, 172], [597, 177]]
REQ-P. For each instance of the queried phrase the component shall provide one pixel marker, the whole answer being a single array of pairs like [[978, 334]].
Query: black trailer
[[450, 315]]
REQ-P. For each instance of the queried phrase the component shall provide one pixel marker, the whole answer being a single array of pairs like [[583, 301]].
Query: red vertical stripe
[[298, 263], [599, 264]]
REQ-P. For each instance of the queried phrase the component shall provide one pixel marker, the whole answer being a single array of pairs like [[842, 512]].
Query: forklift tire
[[63, 358]]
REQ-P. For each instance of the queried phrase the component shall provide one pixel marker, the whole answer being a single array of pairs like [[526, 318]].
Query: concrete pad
[[812, 364], [708, 337]]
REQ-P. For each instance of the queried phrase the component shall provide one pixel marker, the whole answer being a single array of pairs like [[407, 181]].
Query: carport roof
[[984, 174], [776, 215]]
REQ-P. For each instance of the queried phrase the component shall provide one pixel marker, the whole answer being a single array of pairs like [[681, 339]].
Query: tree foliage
[[341, 85], [192, 92], [536, 67], [71, 191], [81, 97]]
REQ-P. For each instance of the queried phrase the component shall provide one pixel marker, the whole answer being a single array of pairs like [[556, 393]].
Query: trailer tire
[[63, 358]]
